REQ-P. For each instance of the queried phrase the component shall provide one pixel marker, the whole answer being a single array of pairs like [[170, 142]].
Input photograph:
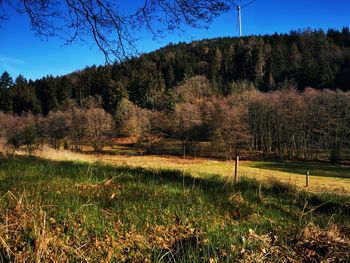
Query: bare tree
[[77, 131], [127, 120], [111, 27], [136, 123], [156, 130], [56, 127], [335, 121], [186, 125], [29, 131], [13, 126], [3, 127], [99, 128], [229, 128], [3, 118], [192, 89]]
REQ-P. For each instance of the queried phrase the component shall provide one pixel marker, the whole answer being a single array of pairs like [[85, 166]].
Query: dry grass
[[49, 153], [51, 245], [202, 167], [205, 167], [22, 217], [67, 211]]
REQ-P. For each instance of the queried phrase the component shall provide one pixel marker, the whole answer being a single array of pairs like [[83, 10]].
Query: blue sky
[[21, 52]]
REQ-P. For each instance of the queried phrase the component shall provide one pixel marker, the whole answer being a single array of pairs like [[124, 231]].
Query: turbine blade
[[248, 3], [233, 2]]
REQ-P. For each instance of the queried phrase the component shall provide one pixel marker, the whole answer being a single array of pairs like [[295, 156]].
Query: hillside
[[220, 150], [302, 59]]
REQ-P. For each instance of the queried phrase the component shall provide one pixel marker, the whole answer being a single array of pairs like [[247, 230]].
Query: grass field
[[324, 177], [78, 211]]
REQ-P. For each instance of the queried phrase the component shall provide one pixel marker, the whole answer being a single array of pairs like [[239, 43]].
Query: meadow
[[324, 177], [129, 211]]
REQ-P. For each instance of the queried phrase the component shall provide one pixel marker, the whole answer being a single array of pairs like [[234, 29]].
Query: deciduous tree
[[99, 128]]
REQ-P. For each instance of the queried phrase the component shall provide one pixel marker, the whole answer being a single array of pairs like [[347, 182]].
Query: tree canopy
[[185, 72]]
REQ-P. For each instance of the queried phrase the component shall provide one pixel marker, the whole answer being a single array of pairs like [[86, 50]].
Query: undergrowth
[[60, 211]]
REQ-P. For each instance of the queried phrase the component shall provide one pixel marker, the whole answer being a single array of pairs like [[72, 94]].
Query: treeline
[[71, 129], [288, 124], [305, 58]]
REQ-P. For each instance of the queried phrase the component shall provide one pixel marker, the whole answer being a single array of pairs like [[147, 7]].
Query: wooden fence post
[[307, 178], [236, 168]]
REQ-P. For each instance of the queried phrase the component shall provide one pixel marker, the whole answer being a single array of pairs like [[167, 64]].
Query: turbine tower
[[239, 11]]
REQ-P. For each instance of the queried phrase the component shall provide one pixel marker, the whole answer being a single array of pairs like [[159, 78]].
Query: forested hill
[[307, 58]]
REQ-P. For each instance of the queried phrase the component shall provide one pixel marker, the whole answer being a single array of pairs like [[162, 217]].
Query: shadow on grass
[[317, 169], [3, 257], [32, 172], [147, 193]]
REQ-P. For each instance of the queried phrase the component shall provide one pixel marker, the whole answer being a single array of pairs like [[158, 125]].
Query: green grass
[[324, 177], [316, 169], [76, 211]]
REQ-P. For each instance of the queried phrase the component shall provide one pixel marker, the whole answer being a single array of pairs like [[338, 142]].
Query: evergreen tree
[[6, 80]]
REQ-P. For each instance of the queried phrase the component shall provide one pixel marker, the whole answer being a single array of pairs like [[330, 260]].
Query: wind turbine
[[239, 10]]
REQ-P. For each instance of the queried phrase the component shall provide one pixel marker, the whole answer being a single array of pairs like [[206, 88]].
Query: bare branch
[[114, 31]]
